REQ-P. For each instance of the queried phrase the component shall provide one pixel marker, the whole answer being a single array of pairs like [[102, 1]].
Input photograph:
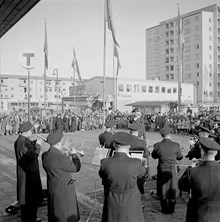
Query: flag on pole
[[110, 21], [75, 65], [45, 48], [117, 57], [180, 35]]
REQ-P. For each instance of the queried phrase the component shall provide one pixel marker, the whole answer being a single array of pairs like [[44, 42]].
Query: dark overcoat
[[141, 121], [122, 201], [140, 145], [29, 189], [167, 153], [59, 123], [62, 200], [105, 139], [203, 183]]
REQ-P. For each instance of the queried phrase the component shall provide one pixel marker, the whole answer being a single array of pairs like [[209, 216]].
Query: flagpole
[[179, 62], [104, 54], [45, 78], [74, 86], [113, 78]]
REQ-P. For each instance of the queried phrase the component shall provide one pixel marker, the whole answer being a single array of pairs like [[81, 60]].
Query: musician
[[203, 184], [62, 200], [195, 152], [122, 201], [29, 188], [167, 152], [105, 139], [138, 119], [138, 145]]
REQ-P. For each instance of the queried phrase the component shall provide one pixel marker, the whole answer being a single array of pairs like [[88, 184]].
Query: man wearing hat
[[138, 119], [105, 139], [167, 152], [62, 200], [29, 189], [203, 184], [138, 145], [122, 201], [195, 152]]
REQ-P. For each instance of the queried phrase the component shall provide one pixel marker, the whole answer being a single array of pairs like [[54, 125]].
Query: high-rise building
[[201, 54]]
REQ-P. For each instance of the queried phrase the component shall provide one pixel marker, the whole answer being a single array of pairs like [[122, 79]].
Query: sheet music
[[100, 153], [137, 154]]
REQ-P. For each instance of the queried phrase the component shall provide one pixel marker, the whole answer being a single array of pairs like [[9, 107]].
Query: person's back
[[167, 152], [122, 171], [203, 184], [62, 200], [119, 173], [105, 139]]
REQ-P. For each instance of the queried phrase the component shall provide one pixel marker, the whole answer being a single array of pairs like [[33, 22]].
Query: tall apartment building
[[201, 55]]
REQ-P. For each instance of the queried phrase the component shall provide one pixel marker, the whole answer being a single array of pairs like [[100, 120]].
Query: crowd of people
[[180, 123], [123, 178]]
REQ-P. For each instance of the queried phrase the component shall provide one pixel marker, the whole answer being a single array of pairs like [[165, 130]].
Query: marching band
[[203, 151]]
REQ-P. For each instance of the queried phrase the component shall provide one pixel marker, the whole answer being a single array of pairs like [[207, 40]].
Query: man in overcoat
[[122, 201], [29, 189], [138, 119], [167, 152], [139, 145], [203, 184], [106, 138], [62, 199], [59, 122]]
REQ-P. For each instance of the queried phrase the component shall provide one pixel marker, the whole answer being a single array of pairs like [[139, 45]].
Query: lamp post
[[55, 72]]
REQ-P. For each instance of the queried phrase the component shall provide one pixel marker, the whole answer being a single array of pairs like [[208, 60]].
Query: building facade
[[14, 91], [201, 55], [129, 91]]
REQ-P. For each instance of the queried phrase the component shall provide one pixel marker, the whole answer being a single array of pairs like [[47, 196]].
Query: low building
[[129, 91]]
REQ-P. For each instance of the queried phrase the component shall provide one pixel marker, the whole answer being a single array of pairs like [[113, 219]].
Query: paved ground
[[88, 183]]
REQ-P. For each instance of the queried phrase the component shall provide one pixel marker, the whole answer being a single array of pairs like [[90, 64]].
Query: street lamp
[[55, 72]]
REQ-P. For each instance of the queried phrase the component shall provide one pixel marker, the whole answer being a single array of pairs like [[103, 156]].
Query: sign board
[[27, 59]]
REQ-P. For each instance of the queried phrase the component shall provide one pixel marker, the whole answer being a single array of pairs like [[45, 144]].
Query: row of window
[[144, 89], [25, 81], [185, 22], [26, 97]]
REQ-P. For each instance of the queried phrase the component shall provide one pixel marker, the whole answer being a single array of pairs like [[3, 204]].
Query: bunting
[[180, 36], [45, 48], [118, 61], [75, 65], [110, 21]]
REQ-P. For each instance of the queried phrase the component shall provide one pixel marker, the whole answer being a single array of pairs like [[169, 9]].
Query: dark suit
[[29, 189], [122, 201], [140, 145], [167, 153], [62, 200], [59, 123], [106, 140], [203, 182], [141, 121]]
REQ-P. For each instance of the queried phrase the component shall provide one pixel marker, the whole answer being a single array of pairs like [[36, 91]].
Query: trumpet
[[66, 149]]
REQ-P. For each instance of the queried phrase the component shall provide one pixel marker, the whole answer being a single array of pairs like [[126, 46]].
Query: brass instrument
[[66, 149]]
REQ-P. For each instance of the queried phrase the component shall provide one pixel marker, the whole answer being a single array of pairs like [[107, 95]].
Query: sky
[[80, 24]]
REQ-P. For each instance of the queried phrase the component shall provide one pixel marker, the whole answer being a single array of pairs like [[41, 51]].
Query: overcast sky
[[80, 24]]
